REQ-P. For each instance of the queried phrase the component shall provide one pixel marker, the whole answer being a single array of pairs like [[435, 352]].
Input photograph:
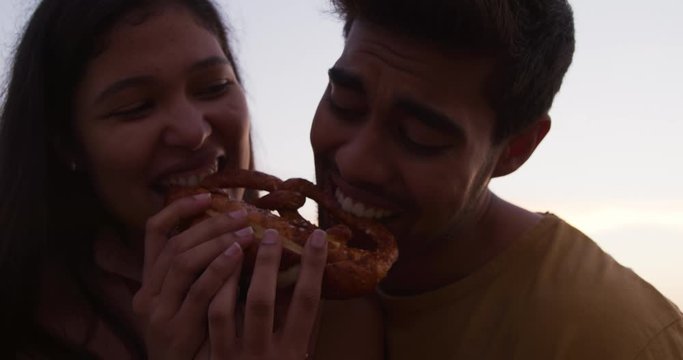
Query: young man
[[429, 100]]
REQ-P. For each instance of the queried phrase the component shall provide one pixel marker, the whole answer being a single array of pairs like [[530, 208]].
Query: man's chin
[[325, 221], [322, 180]]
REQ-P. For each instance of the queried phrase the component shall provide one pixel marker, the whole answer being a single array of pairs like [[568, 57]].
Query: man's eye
[[344, 105], [420, 145], [341, 110]]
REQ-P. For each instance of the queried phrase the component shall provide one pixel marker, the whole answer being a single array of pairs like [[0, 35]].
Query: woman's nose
[[187, 127]]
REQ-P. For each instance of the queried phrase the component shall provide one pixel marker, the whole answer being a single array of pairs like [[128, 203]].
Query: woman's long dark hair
[[48, 211]]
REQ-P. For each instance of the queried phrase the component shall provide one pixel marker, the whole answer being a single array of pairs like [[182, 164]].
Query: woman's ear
[[519, 147], [66, 154]]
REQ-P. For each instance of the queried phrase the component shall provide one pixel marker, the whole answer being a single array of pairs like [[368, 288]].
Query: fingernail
[[245, 231], [202, 196], [270, 237], [318, 239], [238, 214], [233, 250]]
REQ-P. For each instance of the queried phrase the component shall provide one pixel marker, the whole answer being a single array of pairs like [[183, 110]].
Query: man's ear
[[518, 148]]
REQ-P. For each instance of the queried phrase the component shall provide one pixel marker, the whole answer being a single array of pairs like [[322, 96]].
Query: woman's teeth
[[359, 209], [189, 180]]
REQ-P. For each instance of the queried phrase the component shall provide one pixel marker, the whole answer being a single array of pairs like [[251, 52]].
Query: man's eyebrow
[[430, 116], [346, 79], [121, 85]]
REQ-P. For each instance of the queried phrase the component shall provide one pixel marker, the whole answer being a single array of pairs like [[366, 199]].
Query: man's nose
[[364, 158], [187, 126]]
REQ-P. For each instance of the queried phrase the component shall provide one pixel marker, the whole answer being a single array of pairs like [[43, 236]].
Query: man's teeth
[[189, 180], [359, 209]]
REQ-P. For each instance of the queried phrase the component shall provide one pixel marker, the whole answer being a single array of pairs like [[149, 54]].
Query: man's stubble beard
[[475, 206]]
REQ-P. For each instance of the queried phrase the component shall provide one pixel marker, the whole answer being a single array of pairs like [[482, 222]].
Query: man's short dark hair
[[532, 40]]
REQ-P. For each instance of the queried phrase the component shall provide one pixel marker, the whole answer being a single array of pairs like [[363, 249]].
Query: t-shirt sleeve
[[667, 345]]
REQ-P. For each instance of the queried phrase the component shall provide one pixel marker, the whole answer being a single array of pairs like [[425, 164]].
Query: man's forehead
[[400, 72], [370, 45], [367, 40]]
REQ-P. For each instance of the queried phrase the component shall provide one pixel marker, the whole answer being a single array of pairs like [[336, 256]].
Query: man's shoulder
[[580, 292], [580, 273]]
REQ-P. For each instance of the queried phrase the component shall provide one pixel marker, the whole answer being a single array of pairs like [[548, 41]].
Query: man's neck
[[465, 251]]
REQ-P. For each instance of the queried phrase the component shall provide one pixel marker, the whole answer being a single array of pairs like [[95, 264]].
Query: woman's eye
[[132, 111], [214, 89]]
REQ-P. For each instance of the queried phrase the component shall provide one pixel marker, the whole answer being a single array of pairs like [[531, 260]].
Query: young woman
[[109, 103]]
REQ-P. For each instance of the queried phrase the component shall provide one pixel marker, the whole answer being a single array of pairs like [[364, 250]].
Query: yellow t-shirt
[[554, 294]]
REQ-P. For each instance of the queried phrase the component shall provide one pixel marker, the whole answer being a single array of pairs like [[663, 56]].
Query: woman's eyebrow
[[121, 85], [209, 62]]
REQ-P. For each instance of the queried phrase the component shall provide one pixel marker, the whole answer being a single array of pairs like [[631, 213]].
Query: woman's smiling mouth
[[189, 173], [192, 179]]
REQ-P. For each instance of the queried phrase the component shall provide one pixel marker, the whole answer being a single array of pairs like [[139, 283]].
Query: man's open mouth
[[361, 209]]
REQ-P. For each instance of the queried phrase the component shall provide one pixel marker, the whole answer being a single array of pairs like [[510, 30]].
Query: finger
[[204, 352], [258, 327], [303, 308], [208, 229], [156, 236], [194, 310], [222, 319], [202, 262], [160, 225], [188, 319]]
